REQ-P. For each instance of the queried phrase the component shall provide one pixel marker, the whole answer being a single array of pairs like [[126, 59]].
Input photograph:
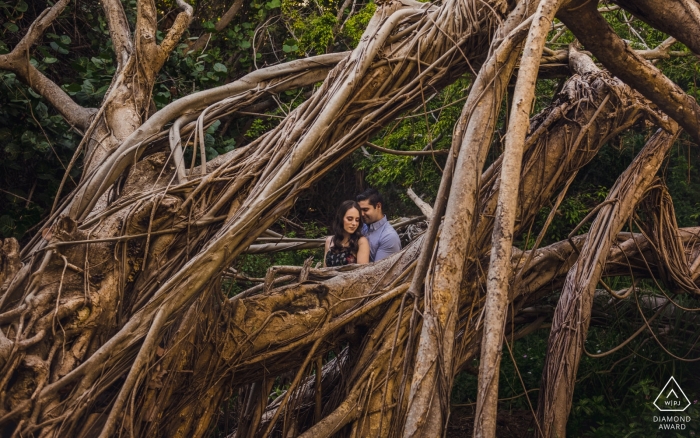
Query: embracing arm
[[363, 251]]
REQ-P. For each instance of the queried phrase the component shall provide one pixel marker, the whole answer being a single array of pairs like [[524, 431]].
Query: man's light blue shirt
[[383, 239]]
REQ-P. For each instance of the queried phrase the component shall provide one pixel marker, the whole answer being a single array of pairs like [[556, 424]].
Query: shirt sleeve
[[389, 244]]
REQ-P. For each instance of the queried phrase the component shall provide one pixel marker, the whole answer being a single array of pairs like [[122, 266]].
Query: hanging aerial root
[[209, 346], [426, 411], [572, 315], [499, 274]]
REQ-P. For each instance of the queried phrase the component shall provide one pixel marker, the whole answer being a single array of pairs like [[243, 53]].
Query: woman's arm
[[325, 250], [363, 251]]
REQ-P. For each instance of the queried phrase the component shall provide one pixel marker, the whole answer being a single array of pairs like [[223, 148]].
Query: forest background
[[614, 394]]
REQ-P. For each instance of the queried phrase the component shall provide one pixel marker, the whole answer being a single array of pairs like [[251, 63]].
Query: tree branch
[[17, 61], [595, 33], [182, 22], [679, 19], [152, 54], [662, 51], [146, 28], [424, 207], [219, 26], [119, 31], [411, 153]]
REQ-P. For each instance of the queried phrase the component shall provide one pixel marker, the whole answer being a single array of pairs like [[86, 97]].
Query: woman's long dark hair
[[338, 230]]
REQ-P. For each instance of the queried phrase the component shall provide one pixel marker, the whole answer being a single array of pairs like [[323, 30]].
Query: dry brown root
[[136, 278], [499, 274], [431, 379], [572, 315], [619, 58], [151, 271], [176, 367], [251, 317], [582, 128], [367, 407]]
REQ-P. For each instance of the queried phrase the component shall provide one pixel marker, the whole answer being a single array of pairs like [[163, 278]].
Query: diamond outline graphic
[[674, 393]]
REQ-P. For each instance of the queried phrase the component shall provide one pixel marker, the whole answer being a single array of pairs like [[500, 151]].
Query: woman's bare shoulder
[[363, 241]]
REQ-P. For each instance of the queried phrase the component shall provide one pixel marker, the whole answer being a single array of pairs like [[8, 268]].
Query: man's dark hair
[[373, 196]]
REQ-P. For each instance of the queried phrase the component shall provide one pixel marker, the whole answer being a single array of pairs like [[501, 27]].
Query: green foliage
[[356, 24], [35, 144], [317, 32], [614, 394], [431, 124], [315, 27]]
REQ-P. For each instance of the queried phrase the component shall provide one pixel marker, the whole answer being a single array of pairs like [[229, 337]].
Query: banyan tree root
[[154, 254], [116, 323], [572, 315], [499, 275], [202, 371], [574, 133]]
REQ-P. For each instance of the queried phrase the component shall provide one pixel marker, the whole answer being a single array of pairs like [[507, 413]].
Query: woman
[[347, 244]]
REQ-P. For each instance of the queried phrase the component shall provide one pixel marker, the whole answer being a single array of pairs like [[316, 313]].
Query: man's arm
[[389, 244]]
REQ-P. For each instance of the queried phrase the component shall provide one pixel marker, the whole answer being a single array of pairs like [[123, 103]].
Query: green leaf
[[214, 126], [28, 137], [72, 88], [42, 146], [273, 4], [50, 60], [245, 44], [229, 145], [21, 6], [12, 27], [42, 110], [219, 67], [87, 87]]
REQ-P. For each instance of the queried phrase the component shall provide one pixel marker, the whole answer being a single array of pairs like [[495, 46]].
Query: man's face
[[371, 214]]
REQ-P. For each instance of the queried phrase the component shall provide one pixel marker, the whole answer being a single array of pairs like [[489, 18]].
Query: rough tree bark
[[112, 319]]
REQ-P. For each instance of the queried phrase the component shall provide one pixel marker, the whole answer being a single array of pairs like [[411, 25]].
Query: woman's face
[[351, 220]]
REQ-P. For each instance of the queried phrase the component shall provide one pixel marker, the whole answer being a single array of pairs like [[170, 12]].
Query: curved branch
[[572, 315], [105, 175], [219, 26], [119, 31], [680, 19], [182, 22], [17, 61], [584, 20], [411, 153]]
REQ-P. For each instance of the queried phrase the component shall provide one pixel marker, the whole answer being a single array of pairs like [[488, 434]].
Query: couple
[[361, 232]]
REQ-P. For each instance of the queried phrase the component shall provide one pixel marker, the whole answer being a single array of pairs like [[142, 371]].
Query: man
[[383, 239]]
